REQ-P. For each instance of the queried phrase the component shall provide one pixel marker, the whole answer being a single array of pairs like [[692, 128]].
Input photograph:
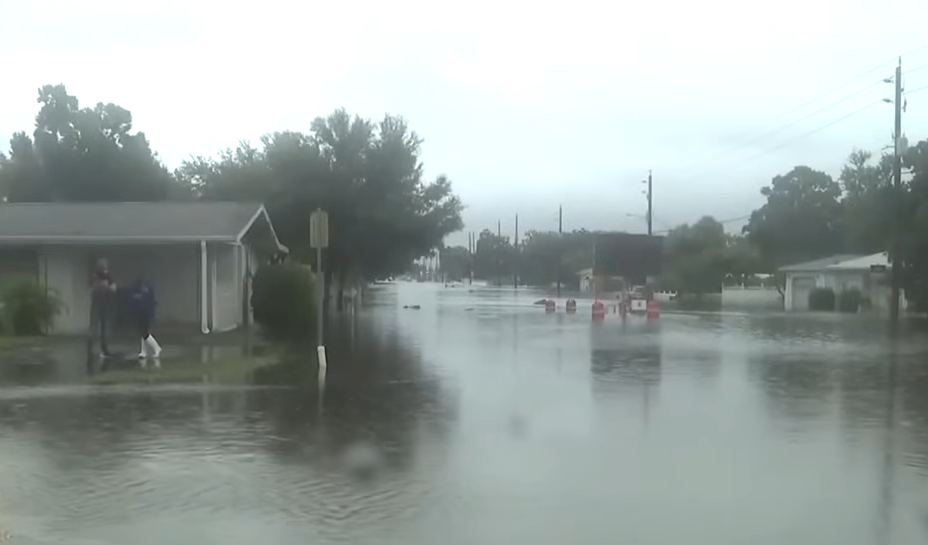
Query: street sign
[[319, 229]]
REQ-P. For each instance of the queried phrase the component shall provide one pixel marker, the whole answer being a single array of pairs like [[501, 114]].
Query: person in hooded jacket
[[144, 304]]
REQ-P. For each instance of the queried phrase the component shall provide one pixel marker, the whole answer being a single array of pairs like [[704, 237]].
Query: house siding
[[799, 284], [226, 289], [18, 263], [174, 269]]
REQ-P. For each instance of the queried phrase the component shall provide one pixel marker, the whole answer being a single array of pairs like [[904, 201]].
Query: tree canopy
[[83, 154]]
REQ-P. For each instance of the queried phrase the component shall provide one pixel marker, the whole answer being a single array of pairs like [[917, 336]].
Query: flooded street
[[480, 420]]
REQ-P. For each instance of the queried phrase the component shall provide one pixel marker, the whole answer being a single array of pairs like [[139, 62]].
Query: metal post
[[560, 243], [515, 258], [319, 239], [896, 280], [320, 294], [650, 209]]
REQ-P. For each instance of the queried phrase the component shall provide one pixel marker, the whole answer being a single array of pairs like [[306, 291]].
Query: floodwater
[[480, 420]]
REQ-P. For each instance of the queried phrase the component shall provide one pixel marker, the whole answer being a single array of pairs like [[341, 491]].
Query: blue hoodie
[[143, 299]]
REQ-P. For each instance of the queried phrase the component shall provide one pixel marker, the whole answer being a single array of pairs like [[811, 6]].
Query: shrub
[[850, 300], [282, 300], [822, 299], [28, 308]]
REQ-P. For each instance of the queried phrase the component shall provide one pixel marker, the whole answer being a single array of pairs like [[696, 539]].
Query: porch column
[[204, 289], [213, 286]]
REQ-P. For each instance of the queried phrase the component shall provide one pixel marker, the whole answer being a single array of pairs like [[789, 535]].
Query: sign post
[[319, 239]]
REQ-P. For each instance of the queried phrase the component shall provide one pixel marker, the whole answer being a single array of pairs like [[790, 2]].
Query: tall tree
[[454, 262], [493, 257], [913, 208], [867, 202], [695, 257], [368, 177], [801, 219], [83, 154]]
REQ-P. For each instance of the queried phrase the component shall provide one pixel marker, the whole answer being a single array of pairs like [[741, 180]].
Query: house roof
[[129, 222], [821, 264], [863, 263]]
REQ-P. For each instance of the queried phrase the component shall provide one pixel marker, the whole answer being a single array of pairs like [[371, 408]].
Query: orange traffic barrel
[[571, 306], [654, 309], [599, 310], [550, 305]]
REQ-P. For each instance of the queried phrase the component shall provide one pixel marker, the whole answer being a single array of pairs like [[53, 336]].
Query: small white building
[[200, 256], [839, 272], [586, 280]]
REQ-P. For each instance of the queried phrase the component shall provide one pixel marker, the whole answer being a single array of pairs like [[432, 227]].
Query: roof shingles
[[155, 221], [819, 264]]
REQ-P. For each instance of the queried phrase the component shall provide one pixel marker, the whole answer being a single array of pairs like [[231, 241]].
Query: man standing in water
[[101, 294]]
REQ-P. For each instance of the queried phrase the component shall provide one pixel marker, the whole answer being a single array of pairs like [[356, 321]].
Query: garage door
[[802, 287]]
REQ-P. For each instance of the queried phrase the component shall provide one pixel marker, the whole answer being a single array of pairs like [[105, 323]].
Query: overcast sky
[[525, 105]]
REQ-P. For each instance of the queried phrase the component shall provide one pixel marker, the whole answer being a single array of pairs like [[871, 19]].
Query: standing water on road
[[478, 419]]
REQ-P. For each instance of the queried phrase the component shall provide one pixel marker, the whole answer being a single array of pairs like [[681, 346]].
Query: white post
[[215, 325], [204, 289]]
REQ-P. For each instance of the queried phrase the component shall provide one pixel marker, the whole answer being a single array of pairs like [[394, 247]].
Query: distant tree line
[[807, 215]]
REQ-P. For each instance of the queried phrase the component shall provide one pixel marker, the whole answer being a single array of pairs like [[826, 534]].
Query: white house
[[586, 280], [199, 255], [839, 272]]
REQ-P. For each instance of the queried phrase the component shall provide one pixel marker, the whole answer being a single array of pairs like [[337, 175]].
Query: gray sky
[[524, 105]]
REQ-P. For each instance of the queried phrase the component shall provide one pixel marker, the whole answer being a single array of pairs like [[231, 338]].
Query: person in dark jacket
[[102, 288], [143, 307]]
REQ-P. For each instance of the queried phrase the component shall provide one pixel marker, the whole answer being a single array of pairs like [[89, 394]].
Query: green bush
[[822, 299], [28, 308], [850, 300], [282, 300]]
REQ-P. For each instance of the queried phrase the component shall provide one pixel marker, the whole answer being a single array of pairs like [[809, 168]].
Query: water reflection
[[626, 367]]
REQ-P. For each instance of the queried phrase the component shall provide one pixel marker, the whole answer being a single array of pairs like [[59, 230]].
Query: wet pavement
[[481, 420]]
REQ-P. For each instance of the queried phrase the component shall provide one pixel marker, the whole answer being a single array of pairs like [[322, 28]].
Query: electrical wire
[[771, 132], [916, 90]]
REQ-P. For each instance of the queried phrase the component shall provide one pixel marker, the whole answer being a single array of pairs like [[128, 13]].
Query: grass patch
[[11, 342], [181, 370]]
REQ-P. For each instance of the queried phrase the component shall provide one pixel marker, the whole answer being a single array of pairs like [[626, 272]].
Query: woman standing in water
[[144, 303]]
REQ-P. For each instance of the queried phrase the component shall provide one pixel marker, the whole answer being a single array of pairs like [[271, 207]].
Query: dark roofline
[[262, 213]]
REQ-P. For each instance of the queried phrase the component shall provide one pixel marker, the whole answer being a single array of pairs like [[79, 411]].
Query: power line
[[771, 132], [758, 138], [787, 142], [816, 130], [814, 113], [916, 90]]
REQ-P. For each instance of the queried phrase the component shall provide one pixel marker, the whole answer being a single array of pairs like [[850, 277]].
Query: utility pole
[[471, 250], [650, 209], [515, 257], [499, 252], [896, 280], [560, 243]]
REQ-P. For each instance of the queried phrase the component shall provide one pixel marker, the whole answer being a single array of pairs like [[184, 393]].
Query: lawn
[[10, 342]]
